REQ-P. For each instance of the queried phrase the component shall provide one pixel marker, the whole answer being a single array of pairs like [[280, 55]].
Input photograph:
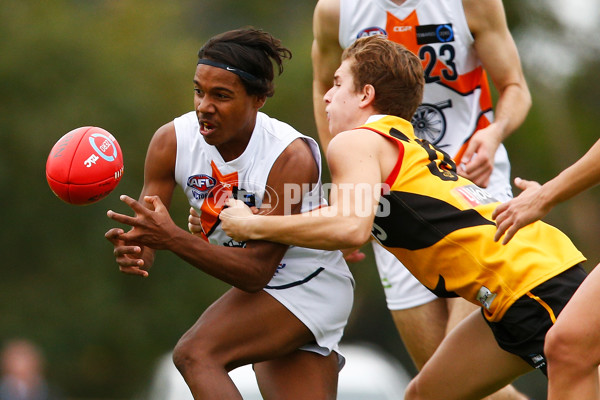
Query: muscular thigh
[[577, 322], [422, 329], [298, 376], [458, 309], [241, 328], [468, 364]]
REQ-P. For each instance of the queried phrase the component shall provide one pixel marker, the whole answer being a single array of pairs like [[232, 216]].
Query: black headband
[[237, 71]]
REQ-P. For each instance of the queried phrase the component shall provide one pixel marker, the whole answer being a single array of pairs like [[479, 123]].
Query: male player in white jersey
[[455, 40], [288, 307]]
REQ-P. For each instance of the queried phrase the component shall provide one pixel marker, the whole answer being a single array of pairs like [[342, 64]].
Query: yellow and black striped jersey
[[439, 226]]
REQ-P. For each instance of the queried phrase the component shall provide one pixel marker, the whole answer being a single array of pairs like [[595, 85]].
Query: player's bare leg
[[459, 309], [474, 374], [422, 329], [294, 376], [237, 329], [572, 346]]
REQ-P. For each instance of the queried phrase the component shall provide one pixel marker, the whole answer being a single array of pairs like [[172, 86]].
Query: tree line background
[[127, 66]]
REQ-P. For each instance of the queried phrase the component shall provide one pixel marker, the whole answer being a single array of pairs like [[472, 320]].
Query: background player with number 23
[[459, 42]]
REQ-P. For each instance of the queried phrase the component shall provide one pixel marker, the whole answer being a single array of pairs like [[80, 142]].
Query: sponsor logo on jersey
[[372, 31], [402, 28], [473, 195], [442, 33]]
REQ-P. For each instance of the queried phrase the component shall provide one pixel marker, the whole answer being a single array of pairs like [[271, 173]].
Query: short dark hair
[[393, 70], [250, 50]]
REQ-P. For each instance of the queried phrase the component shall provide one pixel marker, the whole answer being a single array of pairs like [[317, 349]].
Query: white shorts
[[402, 289], [319, 291]]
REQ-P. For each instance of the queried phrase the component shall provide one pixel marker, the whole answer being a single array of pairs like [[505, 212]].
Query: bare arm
[[536, 201], [326, 57], [159, 179], [346, 222], [248, 268], [500, 58]]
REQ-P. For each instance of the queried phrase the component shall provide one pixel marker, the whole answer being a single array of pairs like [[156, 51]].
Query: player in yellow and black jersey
[[406, 194], [446, 223]]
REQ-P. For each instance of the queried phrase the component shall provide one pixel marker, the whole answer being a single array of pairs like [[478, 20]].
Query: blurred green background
[[127, 66]]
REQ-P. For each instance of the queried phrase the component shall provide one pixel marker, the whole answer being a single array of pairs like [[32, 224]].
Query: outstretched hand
[[235, 220], [152, 225], [520, 211], [134, 250]]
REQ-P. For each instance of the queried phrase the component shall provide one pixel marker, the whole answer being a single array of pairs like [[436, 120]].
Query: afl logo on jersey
[[372, 31], [202, 182]]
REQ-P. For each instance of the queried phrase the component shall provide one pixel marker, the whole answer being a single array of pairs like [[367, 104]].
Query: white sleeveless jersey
[[456, 100], [207, 180], [315, 285]]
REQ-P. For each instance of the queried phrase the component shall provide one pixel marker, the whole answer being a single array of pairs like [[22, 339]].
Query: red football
[[85, 165]]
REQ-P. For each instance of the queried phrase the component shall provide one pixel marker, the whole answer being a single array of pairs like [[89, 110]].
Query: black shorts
[[522, 330]]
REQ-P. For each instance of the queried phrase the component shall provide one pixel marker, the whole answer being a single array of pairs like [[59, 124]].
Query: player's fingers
[[469, 152], [231, 202], [479, 165], [128, 263], [499, 210], [113, 234], [193, 219], [124, 219], [525, 184], [194, 223], [195, 229], [155, 201], [355, 256], [481, 180], [134, 204], [510, 233], [121, 251], [133, 271], [483, 173], [194, 213], [500, 230], [504, 222], [518, 182]]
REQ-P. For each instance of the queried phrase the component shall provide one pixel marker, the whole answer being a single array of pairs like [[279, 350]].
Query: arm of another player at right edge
[[326, 57], [536, 201], [159, 180]]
